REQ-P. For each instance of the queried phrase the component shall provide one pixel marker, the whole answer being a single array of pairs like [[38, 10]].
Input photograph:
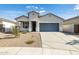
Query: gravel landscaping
[[32, 38]]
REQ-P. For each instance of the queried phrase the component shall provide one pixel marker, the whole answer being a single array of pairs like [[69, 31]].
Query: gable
[[22, 18], [33, 16], [74, 20], [51, 18], [8, 24], [6, 20]]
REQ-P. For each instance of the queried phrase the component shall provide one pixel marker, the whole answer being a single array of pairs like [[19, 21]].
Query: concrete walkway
[[31, 51], [53, 43], [34, 51]]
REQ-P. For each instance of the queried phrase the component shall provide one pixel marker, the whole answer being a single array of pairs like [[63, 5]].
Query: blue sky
[[11, 11]]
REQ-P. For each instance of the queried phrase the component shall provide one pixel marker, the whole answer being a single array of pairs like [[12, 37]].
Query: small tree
[[15, 31]]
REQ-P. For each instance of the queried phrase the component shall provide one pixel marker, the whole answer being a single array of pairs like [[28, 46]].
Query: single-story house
[[71, 25], [6, 25], [34, 22]]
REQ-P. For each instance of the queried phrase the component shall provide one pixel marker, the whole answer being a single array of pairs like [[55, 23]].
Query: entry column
[[37, 26], [30, 26]]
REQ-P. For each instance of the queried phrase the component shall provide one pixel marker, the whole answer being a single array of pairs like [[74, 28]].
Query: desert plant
[[15, 31], [29, 41]]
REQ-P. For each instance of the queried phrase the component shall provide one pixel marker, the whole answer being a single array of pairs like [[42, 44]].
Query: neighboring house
[[35, 22], [6, 25], [71, 25]]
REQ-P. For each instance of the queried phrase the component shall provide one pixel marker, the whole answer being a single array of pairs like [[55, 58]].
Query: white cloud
[[42, 11], [39, 9], [32, 7], [76, 7], [36, 7]]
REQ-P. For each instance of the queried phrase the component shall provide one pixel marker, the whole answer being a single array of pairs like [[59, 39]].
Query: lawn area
[[30, 39]]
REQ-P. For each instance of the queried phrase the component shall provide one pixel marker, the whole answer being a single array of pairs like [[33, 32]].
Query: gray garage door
[[49, 27]]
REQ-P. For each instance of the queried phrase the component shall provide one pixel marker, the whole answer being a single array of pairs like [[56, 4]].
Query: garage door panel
[[49, 27]]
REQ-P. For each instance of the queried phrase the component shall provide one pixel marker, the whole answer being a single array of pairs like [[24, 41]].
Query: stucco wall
[[33, 16], [8, 26], [74, 20], [51, 19], [68, 28], [22, 19]]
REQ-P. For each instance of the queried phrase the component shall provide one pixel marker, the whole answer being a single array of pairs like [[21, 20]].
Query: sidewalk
[[34, 51]]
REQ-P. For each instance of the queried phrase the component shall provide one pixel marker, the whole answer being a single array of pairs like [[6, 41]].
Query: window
[[25, 25], [1, 27]]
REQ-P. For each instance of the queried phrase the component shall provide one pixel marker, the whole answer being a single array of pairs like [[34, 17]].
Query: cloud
[[76, 7], [32, 7], [39, 9], [42, 11], [35, 8]]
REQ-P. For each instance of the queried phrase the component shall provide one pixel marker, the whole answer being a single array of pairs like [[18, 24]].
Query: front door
[[33, 26], [76, 28], [1, 27]]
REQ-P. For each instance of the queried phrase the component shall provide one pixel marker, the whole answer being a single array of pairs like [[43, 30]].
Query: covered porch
[[23, 26], [31, 26]]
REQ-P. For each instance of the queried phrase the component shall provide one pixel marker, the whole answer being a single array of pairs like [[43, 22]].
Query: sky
[[11, 11]]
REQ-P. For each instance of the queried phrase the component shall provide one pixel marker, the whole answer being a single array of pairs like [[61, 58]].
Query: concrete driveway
[[58, 40]]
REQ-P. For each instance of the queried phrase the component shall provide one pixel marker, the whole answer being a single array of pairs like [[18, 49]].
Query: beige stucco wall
[[33, 16], [22, 19], [51, 19], [8, 26], [68, 25], [68, 28], [72, 21]]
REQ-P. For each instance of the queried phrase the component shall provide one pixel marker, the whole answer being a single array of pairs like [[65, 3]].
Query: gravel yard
[[21, 40]]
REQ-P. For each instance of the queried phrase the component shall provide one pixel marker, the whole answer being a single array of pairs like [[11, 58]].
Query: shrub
[[15, 31], [29, 42]]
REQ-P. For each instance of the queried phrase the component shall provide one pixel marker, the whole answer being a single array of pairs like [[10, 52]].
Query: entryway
[[76, 28], [1, 27], [33, 26]]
